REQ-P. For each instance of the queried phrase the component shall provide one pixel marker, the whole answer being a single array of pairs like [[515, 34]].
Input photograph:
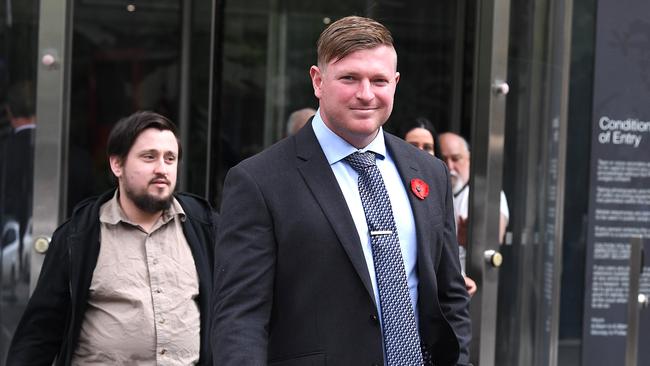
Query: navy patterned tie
[[401, 339]]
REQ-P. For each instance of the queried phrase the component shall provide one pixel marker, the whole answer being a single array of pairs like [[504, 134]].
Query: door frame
[[488, 133], [488, 138], [51, 142]]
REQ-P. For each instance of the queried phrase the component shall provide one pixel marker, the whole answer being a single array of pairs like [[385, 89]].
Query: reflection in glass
[[18, 39], [122, 61], [269, 46], [153, 56]]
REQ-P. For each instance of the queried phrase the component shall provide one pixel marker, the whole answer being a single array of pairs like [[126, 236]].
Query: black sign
[[619, 198]]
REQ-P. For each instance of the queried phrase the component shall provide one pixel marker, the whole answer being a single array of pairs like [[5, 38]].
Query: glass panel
[[527, 317], [269, 46], [123, 61], [195, 133], [137, 56], [575, 209], [18, 54]]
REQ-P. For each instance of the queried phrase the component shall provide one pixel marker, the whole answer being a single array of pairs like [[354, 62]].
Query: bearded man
[[454, 151], [128, 278]]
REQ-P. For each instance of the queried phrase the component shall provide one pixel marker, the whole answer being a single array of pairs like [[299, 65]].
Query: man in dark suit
[[302, 276], [18, 170]]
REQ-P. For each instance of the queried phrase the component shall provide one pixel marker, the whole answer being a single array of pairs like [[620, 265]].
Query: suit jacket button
[[374, 318]]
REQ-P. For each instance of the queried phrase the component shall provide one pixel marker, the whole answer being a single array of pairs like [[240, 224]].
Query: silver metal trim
[[633, 306], [488, 130], [52, 110], [563, 35]]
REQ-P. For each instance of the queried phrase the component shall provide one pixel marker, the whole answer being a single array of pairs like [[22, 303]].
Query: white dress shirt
[[336, 149]]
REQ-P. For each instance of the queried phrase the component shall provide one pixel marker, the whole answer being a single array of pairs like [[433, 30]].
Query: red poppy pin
[[419, 188]]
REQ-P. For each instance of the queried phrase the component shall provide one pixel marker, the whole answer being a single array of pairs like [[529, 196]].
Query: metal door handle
[[42, 244], [501, 87], [493, 258]]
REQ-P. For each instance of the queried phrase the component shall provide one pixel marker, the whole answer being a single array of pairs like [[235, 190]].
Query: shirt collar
[[336, 149], [30, 126], [111, 212]]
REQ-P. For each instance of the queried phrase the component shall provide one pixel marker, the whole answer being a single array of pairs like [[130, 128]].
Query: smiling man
[[337, 245], [127, 279]]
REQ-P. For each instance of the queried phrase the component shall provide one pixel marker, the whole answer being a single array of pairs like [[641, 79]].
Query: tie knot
[[360, 161]]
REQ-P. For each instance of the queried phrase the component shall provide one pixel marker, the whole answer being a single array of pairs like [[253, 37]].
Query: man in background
[[454, 151], [19, 159], [297, 119], [17, 169]]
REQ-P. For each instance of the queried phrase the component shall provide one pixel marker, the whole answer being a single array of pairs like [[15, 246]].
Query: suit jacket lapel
[[320, 179], [408, 167]]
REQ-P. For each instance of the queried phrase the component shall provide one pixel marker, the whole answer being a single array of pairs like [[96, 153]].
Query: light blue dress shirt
[[336, 149]]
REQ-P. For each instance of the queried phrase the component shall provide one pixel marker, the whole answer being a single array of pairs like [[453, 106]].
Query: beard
[[456, 181], [147, 202]]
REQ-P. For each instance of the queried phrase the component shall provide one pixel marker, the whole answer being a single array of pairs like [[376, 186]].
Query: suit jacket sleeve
[[42, 328], [453, 297], [245, 257]]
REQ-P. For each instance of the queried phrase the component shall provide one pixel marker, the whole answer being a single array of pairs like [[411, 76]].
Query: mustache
[[160, 179]]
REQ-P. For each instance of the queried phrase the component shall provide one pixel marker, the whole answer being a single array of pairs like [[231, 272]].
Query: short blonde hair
[[351, 34]]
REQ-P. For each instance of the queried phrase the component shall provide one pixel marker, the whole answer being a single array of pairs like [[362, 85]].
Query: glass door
[[485, 213], [534, 167], [22, 122], [77, 73]]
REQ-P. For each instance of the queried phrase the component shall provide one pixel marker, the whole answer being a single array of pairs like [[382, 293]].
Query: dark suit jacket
[[19, 177], [291, 283], [50, 326]]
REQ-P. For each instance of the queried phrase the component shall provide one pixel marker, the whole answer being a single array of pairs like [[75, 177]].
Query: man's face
[[356, 93], [147, 177], [455, 153]]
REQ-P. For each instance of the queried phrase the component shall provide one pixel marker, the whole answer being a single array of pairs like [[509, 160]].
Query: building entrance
[[230, 74]]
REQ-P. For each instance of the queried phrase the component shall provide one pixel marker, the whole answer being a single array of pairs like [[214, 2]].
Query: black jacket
[[50, 326]]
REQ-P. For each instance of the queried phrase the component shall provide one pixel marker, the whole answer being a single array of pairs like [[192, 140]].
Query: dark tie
[[401, 339]]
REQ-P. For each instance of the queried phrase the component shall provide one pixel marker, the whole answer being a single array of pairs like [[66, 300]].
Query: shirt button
[[155, 261], [163, 351], [158, 290], [161, 321]]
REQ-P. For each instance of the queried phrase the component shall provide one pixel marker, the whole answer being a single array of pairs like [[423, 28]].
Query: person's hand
[[461, 228], [470, 285]]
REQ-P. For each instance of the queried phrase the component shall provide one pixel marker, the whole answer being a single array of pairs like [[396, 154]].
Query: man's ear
[[116, 165], [316, 80]]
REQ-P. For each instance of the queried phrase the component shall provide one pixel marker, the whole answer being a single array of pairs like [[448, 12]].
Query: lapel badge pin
[[419, 188]]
